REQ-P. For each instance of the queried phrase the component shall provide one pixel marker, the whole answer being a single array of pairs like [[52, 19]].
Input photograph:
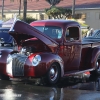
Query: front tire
[[53, 74], [2, 44], [97, 67], [4, 77]]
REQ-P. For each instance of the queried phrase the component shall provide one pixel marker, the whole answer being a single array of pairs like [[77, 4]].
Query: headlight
[[36, 60], [9, 59], [9, 64]]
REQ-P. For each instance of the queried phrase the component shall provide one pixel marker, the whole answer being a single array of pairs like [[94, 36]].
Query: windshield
[[51, 31]]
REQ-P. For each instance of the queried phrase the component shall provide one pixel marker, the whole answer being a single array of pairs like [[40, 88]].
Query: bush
[[84, 33], [28, 19]]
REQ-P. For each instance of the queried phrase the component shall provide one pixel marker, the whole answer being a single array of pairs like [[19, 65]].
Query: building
[[87, 10]]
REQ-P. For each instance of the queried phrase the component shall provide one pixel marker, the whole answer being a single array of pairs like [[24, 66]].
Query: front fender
[[3, 59], [4, 53], [95, 54], [49, 58]]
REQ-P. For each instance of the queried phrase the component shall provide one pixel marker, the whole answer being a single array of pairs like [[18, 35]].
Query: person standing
[[90, 32]]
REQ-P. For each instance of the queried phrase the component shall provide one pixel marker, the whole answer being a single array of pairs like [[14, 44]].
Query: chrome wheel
[[98, 66], [53, 74]]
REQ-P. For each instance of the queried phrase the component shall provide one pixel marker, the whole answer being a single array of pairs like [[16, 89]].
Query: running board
[[77, 72]]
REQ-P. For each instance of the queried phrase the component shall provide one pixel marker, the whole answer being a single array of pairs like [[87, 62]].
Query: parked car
[[5, 37], [1, 23], [96, 33], [50, 50], [94, 37]]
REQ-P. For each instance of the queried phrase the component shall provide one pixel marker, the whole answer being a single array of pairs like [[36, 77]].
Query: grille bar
[[18, 63]]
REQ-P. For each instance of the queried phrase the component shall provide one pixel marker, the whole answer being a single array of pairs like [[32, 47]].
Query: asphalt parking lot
[[71, 88]]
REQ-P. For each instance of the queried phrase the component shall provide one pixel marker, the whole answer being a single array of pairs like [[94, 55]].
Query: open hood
[[22, 31]]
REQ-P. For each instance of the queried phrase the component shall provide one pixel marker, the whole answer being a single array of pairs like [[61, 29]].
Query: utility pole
[[2, 9], [73, 9]]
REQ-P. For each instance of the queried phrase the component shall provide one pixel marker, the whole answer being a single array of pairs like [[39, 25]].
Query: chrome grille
[[18, 65]]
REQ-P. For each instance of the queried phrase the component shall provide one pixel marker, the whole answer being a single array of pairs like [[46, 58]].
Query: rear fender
[[95, 55], [50, 58]]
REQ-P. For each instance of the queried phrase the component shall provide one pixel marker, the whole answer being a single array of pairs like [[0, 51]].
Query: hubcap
[[53, 74], [98, 66]]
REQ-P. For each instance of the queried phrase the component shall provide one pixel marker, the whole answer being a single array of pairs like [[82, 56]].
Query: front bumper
[[21, 66]]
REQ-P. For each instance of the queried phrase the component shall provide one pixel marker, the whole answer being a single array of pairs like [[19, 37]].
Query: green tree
[[58, 12], [29, 19]]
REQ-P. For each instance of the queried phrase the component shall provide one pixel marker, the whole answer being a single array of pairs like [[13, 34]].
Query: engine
[[27, 50]]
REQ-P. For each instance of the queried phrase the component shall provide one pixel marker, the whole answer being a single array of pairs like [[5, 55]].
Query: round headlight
[[9, 59], [36, 60]]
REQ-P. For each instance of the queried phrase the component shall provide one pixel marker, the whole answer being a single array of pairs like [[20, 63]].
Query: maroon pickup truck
[[50, 50]]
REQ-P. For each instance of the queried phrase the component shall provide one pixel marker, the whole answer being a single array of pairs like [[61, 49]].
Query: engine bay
[[33, 46], [28, 50]]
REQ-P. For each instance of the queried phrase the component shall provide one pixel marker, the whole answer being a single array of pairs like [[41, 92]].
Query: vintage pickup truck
[[50, 50]]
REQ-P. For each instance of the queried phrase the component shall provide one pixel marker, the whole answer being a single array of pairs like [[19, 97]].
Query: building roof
[[42, 4]]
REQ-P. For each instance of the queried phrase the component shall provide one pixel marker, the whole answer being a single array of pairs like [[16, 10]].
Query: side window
[[97, 35], [72, 33]]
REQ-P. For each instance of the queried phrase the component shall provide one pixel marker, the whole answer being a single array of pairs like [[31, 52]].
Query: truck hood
[[22, 31]]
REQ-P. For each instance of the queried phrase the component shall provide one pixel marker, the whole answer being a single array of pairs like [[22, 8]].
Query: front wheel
[[97, 67], [53, 74], [4, 77], [2, 44]]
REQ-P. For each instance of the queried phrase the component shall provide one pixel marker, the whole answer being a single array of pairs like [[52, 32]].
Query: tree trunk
[[19, 7], [73, 9], [2, 8], [25, 9]]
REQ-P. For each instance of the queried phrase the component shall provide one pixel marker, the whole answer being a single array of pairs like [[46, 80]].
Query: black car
[[5, 37]]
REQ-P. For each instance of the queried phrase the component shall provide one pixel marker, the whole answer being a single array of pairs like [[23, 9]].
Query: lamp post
[[73, 9]]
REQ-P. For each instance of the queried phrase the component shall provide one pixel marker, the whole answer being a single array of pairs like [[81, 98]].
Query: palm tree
[[2, 8], [24, 6], [53, 2], [25, 9], [73, 9], [19, 6]]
